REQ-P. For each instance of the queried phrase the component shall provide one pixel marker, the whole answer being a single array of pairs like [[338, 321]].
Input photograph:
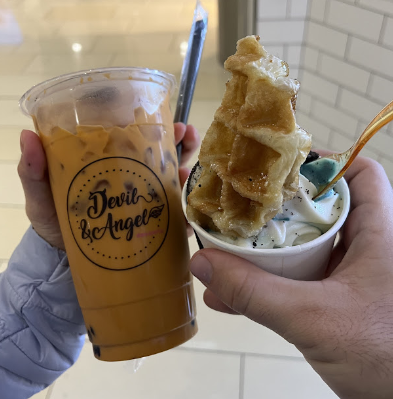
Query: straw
[[190, 67]]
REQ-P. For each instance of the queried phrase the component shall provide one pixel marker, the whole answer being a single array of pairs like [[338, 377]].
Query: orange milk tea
[[109, 141]]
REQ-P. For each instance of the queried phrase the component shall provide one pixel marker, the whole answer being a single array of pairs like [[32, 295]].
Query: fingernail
[[201, 268], [22, 140]]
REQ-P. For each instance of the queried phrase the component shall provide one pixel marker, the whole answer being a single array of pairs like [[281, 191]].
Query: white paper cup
[[302, 262]]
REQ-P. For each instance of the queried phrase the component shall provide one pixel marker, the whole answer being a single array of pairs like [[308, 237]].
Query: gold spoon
[[326, 171]]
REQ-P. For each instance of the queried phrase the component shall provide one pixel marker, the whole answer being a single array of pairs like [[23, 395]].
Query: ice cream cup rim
[[286, 251], [36, 90]]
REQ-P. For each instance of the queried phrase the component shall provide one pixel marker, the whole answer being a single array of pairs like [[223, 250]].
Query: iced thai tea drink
[[109, 141]]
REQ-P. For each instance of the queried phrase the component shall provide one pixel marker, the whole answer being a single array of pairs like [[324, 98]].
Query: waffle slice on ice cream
[[253, 150]]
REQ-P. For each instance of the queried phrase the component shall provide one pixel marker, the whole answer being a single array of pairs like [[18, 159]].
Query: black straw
[[190, 68]]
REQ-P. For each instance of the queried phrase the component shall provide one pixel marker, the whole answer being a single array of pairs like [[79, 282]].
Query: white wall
[[280, 24], [345, 69]]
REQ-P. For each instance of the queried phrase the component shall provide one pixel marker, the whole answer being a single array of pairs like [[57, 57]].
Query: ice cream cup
[[302, 262]]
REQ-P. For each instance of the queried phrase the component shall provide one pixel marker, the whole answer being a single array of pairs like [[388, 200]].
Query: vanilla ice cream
[[300, 220]]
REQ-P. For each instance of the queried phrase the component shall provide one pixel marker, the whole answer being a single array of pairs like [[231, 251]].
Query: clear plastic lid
[[31, 98]]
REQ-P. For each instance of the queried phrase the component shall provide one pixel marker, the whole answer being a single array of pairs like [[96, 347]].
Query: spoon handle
[[383, 118]]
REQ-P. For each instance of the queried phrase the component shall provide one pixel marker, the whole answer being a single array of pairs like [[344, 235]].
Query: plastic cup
[[109, 142], [302, 262]]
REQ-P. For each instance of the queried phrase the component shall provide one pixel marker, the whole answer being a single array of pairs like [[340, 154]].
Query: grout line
[[326, 12], [225, 352], [288, 9], [280, 19], [319, 61], [301, 73], [312, 106], [338, 97], [355, 35], [241, 376], [369, 84], [348, 48], [355, 135], [268, 43], [351, 63], [364, 7], [383, 29], [330, 138], [358, 130], [285, 52], [328, 125], [308, 10]]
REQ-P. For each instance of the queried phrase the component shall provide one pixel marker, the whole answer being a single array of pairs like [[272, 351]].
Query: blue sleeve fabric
[[41, 324]]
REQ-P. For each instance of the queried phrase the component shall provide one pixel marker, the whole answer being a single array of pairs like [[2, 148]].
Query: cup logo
[[118, 212]]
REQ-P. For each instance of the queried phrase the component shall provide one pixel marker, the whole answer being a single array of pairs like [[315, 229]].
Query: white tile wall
[[276, 32], [304, 102], [328, 39], [371, 56], [347, 58], [338, 142], [381, 89], [340, 71], [320, 132], [297, 8], [271, 9], [334, 118], [387, 37], [351, 18], [358, 106], [310, 58], [343, 57], [278, 51], [293, 56], [294, 73], [274, 20], [317, 10], [383, 6], [319, 87], [381, 143]]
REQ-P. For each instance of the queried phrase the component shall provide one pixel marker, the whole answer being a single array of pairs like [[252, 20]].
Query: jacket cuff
[[40, 277]]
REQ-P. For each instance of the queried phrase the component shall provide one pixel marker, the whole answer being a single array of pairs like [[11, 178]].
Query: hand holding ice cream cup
[[248, 196]]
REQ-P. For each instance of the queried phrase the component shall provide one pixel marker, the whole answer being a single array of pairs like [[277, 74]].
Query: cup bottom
[[136, 350]]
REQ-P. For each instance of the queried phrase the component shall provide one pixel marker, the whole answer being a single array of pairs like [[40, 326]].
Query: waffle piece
[[253, 150]]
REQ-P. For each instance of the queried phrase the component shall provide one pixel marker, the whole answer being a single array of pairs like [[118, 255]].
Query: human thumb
[[32, 172], [40, 208], [283, 305]]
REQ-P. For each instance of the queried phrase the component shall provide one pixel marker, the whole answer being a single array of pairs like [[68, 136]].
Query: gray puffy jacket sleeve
[[41, 324]]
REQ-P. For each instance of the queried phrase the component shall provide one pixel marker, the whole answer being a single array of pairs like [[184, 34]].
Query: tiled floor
[[231, 357]]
